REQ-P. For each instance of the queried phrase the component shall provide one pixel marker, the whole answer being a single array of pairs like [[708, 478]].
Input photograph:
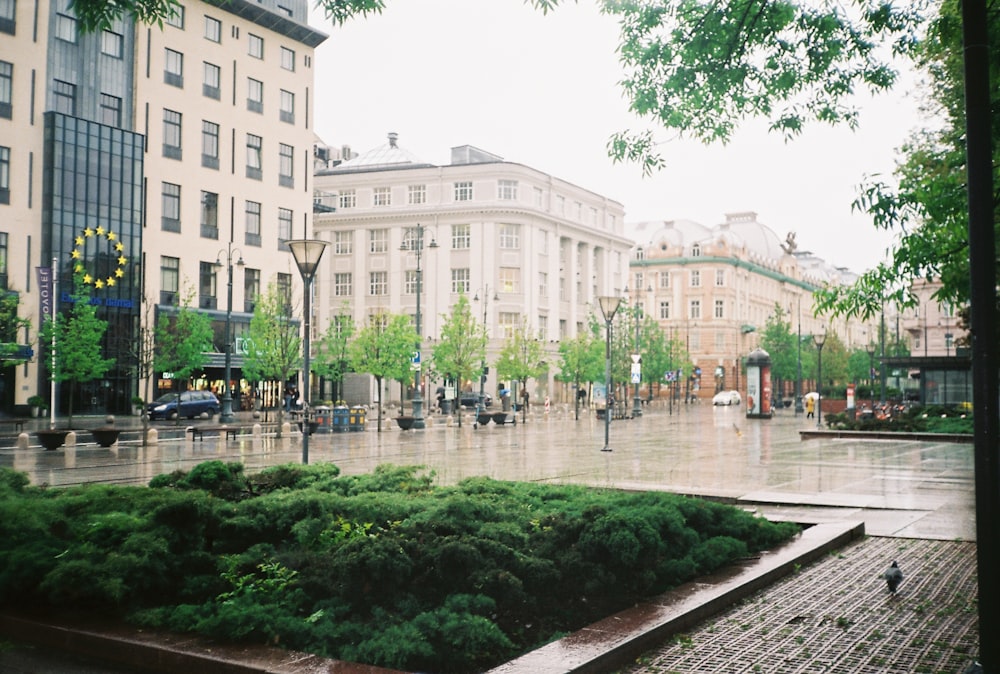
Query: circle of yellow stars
[[77, 256]]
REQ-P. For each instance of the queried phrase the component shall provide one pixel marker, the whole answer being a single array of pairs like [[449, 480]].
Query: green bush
[[382, 568]]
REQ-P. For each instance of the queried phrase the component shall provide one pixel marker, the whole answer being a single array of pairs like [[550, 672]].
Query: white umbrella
[[811, 394]]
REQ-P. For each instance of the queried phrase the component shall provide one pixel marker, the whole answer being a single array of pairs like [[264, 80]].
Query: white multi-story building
[[529, 246], [142, 156]]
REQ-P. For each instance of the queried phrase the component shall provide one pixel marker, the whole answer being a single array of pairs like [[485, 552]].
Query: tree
[[779, 342], [581, 361], [461, 351], [79, 337], [182, 340], [655, 354], [331, 360], [274, 346], [520, 356], [383, 348]]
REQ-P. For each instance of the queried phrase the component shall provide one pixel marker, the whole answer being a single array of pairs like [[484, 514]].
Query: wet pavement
[[904, 489]]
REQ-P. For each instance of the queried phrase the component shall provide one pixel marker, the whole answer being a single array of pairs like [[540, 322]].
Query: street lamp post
[[871, 372], [416, 244], [609, 306], [798, 380], [307, 253], [637, 357], [820, 340], [227, 399], [482, 364]]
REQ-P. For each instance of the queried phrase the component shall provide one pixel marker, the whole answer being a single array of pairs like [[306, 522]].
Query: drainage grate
[[836, 617]]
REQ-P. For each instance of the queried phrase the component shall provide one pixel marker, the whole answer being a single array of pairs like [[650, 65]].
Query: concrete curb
[[618, 640]]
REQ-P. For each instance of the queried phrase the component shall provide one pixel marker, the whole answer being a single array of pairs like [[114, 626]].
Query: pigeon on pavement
[[893, 577]]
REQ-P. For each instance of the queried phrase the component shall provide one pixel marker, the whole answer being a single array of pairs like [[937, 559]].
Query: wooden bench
[[17, 423], [230, 432]]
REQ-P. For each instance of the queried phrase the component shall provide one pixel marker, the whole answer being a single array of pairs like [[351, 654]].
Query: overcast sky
[[542, 91]]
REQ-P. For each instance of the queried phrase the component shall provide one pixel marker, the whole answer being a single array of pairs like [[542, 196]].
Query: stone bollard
[[152, 436], [258, 430], [286, 428], [22, 441], [70, 439]]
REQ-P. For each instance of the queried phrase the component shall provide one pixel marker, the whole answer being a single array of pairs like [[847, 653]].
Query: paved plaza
[[916, 499]]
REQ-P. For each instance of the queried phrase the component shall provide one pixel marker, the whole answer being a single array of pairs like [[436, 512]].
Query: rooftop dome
[[388, 156], [759, 239]]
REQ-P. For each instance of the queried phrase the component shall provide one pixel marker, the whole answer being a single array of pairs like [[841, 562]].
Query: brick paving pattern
[[836, 616]]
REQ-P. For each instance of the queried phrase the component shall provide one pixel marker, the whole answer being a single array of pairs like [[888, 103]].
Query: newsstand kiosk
[[759, 385]]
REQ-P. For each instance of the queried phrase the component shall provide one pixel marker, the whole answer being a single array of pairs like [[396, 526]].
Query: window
[[543, 284], [560, 205], [381, 196], [343, 243], [170, 279], [284, 224], [252, 223], [461, 236], [251, 288], [211, 87], [507, 190], [286, 165], [170, 217], [694, 309], [7, 22], [173, 68], [664, 310], [256, 46], [378, 283], [287, 110], [209, 144], [209, 215], [461, 280], [509, 323], [110, 112], [65, 28], [176, 16], [343, 284], [410, 277], [664, 279], [537, 196], [284, 287], [254, 156], [696, 250], [592, 216], [416, 194], [4, 175], [172, 134], [719, 312], [64, 97], [640, 253], [255, 95], [463, 191], [6, 89], [510, 237], [695, 278], [543, 326], [378, 240], [638, 279], [720, 277], [111, 44], [348, 199], [510, 280], [207, 284], [213, 29], [287, 59]]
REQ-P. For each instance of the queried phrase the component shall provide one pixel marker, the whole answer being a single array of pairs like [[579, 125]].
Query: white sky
[[542, 91]]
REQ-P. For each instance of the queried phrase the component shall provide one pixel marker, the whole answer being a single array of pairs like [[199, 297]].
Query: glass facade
[[92, 226]]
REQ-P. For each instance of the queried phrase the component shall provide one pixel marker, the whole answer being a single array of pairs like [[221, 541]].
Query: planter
[[484, 418], [105, 437], [52, 439], [500, 418], [405, 423]]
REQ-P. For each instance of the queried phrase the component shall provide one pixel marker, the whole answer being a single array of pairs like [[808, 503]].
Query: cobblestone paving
[[837, 616]]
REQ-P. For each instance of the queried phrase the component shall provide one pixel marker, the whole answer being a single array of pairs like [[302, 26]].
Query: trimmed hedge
[[384, 568]]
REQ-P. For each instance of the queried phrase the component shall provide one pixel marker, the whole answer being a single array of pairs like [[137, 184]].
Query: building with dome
[[528, 246], [714, 288]]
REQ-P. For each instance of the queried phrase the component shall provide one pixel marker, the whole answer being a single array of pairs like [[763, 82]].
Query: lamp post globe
[[226, 415]]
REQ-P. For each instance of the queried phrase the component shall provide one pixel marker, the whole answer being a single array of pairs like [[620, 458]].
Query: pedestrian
[[524, 398], [810, 407]]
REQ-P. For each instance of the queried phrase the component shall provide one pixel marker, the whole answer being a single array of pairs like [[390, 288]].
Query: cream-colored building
[[141, 156], [714, 288], [529, 246]]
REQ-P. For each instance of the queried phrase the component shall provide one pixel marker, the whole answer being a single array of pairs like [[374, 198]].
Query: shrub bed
[[917, 419], [384, 568]]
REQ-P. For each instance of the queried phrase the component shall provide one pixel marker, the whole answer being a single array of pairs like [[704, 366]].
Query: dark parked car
[[188, 404], [471, 399]]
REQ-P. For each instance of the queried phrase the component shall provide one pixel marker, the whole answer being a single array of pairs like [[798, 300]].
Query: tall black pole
[[982, 273], [607, 378], [418, 400], [227, 400]]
